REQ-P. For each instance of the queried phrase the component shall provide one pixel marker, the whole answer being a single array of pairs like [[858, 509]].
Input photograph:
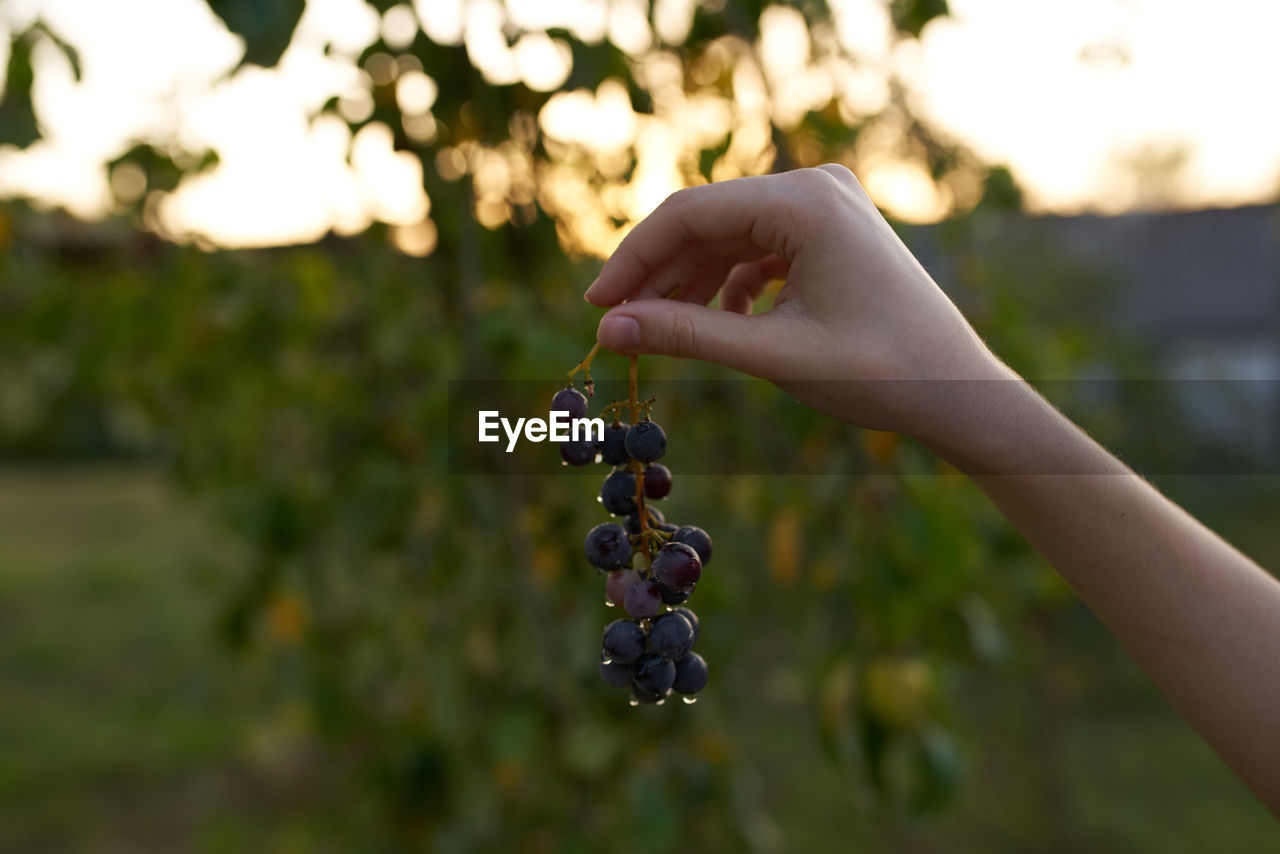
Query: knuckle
[[829, 194], [675, 208], [676, 199], [841, 173], [630, 261], [682, 339], [816, 179], [818, 195]]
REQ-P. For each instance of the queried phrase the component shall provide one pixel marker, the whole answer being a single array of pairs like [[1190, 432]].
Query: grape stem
[[633, 403], [585, 367], [632, 376], [615, 409]]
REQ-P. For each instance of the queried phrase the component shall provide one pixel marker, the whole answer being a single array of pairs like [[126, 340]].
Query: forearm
[[1200, 618]]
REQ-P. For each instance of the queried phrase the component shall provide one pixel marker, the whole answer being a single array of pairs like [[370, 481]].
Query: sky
[[1102, 105]]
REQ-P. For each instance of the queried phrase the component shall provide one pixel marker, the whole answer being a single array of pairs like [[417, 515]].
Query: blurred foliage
[[443, 629], [18, 124], [265, 28], [910, 16], [17, 120], [446, 625]]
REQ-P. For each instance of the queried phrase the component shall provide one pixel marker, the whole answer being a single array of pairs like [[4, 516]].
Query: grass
[[123, 725]]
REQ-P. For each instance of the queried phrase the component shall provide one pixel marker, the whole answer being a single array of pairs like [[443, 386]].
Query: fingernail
[[619, 332]]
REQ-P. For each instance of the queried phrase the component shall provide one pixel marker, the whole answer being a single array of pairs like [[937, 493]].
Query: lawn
[[124, 726]]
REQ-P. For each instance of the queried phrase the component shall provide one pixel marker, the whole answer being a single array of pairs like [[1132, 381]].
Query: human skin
[[861, 332]]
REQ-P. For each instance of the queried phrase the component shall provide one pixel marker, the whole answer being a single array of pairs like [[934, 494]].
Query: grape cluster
[[650, 651]]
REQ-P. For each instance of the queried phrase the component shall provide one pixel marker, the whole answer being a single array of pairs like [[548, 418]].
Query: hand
[[856, 305], [1196, 614]]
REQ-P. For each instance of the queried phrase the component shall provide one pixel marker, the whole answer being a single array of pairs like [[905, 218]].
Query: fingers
[[694, 274], [697, 276], [687, 330], [747, 281], [745, 219], [732, 237]]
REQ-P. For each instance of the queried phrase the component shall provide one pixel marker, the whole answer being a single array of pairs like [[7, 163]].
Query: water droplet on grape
[[689, 701], [606, 660], [608, 603], [633, 702], [660, 702]]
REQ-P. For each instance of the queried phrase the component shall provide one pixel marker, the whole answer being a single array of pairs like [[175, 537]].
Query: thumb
[[688, 330]]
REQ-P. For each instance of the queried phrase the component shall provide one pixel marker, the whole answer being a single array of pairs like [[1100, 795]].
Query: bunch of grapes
[[650, 565]]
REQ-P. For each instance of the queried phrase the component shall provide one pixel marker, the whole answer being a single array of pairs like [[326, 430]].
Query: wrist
[[1002, 426], [979, 425]]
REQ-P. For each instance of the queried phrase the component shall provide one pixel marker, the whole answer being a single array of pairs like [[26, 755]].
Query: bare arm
[[1200, 618]]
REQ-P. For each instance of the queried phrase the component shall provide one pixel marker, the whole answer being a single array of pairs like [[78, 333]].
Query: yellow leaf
[[286, 618], [548, 563], [898, 690], [784, 548], [713, 747], [507, 774], [825, 574], [881, 446]]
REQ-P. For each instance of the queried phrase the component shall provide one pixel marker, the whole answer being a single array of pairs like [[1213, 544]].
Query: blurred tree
[[438, 625]]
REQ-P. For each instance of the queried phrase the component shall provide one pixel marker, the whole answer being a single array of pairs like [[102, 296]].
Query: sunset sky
[[1070, 93]]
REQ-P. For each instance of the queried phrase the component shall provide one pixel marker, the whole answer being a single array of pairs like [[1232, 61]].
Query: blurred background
[[244, 246]]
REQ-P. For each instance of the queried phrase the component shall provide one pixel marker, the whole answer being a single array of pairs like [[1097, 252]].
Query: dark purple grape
[[612, 447], [671, 597], [578, 453], [607, 546], [569, 400], [645, 442], [677, 566], [691, 674], [698, 539], [618, 583], [656, 519], [616, 674], [653, 674], [670, 635], [664, 526], [643, 599], [645, 698], [618, 495], [623, 641], [691, 617], [657, 481]]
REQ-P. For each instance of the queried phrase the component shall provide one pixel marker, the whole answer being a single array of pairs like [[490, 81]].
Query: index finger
[[759, 211]]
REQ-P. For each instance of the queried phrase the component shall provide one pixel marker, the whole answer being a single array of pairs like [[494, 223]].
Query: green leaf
[[17, 119], [836, 717], [589, 746], [910, 16], [515, 734], [1000, 190], [73, 56], [265, 27], [939, 771]]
